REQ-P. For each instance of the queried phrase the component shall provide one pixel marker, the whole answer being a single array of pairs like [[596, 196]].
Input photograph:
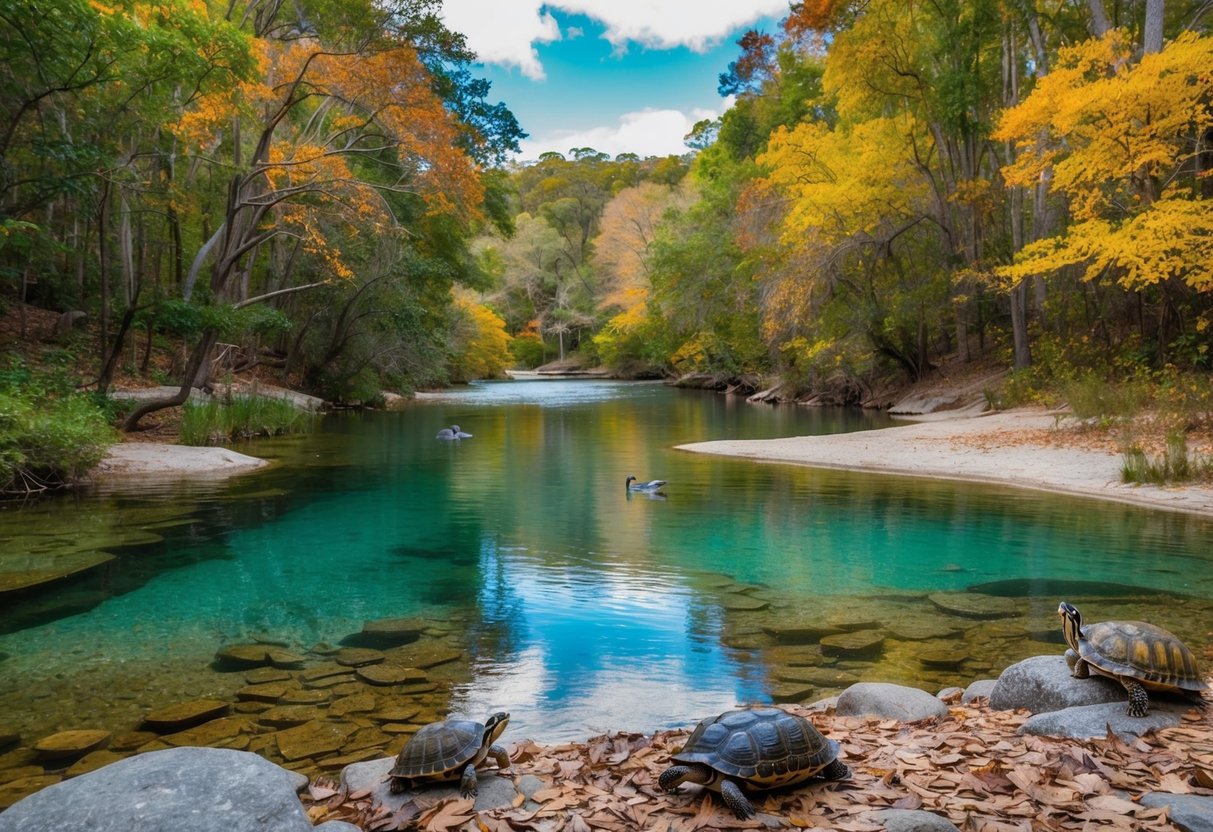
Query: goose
[[453, 432], [635, 485]]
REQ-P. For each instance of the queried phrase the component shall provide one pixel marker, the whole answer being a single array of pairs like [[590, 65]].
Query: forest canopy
[[324, 189]]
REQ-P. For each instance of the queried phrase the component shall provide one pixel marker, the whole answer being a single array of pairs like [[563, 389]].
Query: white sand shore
[[152, 459], [999, 448]]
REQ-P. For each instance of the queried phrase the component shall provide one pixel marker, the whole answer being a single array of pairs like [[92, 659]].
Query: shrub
[[49, 442], [215, 422]]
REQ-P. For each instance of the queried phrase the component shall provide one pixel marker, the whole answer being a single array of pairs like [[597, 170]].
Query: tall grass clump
[[1096, 398], [50, 436], [1175, 464], [243, 417]]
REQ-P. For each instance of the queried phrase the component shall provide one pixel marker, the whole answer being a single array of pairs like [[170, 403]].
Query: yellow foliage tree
[[480, 344], [1123, 141]]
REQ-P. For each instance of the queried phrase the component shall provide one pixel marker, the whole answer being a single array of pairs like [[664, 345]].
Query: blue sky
[[616, 75]]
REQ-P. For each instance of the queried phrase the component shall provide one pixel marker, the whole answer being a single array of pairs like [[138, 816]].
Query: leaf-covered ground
[[970, 767]]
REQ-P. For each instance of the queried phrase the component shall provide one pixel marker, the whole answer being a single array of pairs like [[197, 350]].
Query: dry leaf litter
[[970, 767]]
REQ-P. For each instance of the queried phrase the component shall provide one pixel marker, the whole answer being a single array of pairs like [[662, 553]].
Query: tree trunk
[[107, 371], [1151, 33], [197, 362], [1099, 18]]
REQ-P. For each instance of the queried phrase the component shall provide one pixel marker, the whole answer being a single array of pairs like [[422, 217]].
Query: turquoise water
[[581, 608]]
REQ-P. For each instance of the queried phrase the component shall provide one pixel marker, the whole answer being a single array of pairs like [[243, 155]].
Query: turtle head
[[631, 478], [494, 725], [1071, 623]]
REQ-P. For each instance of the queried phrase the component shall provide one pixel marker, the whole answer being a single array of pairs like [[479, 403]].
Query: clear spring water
[[582, 608]]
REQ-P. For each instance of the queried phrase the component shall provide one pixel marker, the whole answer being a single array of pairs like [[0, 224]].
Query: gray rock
[[909, 820], [493, 791], [982, 687], [1044, 683], [892, 701], [183, 789], [1089, 721], [1190, 812]]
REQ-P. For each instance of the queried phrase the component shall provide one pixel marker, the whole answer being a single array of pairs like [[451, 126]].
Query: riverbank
[[152, 459], [1024, 448]]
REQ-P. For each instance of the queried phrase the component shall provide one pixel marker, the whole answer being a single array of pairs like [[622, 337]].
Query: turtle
[[450, 750], [760, 747], [1140, 656]]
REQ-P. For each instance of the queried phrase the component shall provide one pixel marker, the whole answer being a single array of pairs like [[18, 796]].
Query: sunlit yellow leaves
[[1103, 118], [1114, 132], [843, 181], [480, 342], [1173, 238]]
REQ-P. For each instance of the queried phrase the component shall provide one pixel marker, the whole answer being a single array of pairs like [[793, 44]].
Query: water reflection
[[581, 651], [575, 605]]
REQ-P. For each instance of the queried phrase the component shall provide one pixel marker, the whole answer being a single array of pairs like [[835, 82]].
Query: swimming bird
[[453, 432], [635, 485]]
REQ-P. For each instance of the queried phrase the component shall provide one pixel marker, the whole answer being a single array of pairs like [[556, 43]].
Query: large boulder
[[183, 789], [1044, 683], [1090, 721], [889, 701], [1189, 812]]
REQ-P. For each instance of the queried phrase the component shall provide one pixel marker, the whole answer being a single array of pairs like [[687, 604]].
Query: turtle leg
[[399, 785], [1139, 702], [500, 755], [673, 776], [736, 800], [467, 784], [836, 770], [1079, 668]]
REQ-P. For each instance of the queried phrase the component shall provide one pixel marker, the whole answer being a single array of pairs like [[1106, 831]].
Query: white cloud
[[663, 24], [645, 133], [505, 32]]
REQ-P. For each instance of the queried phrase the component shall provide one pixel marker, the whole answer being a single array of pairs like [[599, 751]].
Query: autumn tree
[[338, 128], [1123, 142]]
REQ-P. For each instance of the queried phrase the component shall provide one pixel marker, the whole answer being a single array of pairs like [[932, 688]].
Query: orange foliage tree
[[338, 134]]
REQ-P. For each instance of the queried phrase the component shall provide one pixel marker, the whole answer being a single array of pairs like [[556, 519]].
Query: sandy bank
[[1023, 448], [153, 459]]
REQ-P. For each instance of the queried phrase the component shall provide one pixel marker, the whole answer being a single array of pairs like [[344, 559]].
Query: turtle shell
[[441, 750], [1145, 652], [764, 747]]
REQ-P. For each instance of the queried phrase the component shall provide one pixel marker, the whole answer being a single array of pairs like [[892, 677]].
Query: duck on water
[[634, 484], [453, 432]]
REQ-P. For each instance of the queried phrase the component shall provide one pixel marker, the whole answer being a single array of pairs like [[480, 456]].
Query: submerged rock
[[388, 632], [70, 744], [184, 714], [860, 643], [974, 605]]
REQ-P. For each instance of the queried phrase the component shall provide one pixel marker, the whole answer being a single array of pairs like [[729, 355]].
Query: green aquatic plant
[[243, 417]]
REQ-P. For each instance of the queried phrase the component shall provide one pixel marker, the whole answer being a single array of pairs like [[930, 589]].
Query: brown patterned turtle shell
[[1151, 655], [764, 747], [440, 750]]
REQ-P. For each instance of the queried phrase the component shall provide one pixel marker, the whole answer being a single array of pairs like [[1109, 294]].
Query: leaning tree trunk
[[198, 360]]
